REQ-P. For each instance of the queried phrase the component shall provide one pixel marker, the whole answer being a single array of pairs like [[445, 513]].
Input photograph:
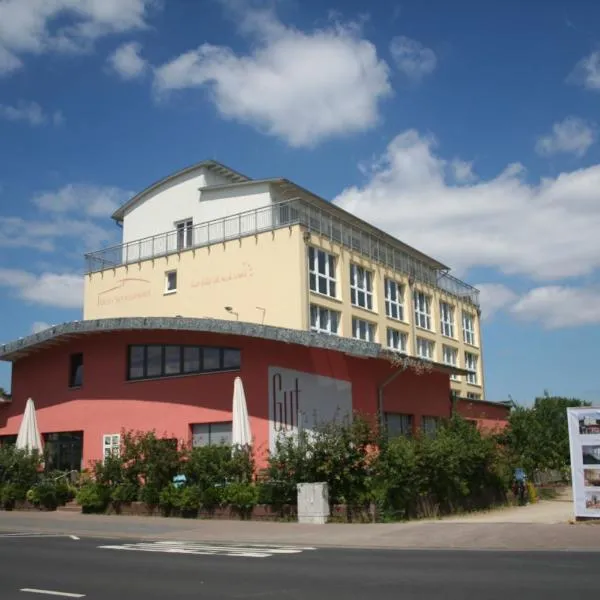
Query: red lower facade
[[78, 418]]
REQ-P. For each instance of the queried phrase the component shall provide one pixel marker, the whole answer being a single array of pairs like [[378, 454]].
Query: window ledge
[[476, 385], [431, 331], [399, 321], [369, 311], [327, 296], [471, 345], [169, 292], [449, 337], [180, 375]]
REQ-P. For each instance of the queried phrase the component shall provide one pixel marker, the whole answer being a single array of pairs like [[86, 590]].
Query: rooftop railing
[[276, 216]]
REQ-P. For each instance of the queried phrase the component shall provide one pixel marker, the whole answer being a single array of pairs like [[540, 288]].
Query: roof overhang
[[60, 334], [210, 165]]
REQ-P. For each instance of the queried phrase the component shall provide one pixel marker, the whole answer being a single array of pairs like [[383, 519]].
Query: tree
[[538, 436], [4, 393]]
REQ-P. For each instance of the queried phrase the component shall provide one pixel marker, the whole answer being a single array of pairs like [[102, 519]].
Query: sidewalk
[[465, 535]]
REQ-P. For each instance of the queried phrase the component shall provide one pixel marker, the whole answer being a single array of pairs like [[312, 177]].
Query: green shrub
[[93, 498], [20, 469], [10, 495], [124, 493], [242, 497], [211, 497], [150, 495], [170, 499], [190, 500], [46, 494]]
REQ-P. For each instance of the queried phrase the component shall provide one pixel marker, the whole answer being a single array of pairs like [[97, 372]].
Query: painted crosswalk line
[[208, 549]]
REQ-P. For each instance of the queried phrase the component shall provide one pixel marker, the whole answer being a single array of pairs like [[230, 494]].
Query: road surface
[[54, 567]]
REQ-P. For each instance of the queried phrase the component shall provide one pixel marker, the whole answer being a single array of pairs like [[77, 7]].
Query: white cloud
[[40, 26], [91, 200], [63, 290], [546, 230], [67, 214], [38, 326], [31, 112], [587, 72], [462, 170], [127, 61], [412, 58], [572, 135], [494, 297], [560, 306], [301, 87]]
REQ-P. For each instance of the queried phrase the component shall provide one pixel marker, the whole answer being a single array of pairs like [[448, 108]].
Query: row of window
[[398, 424], [166, 360], [322, 268], [325, 320]]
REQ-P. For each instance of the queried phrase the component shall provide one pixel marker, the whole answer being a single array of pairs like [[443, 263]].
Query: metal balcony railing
[[275, 216]]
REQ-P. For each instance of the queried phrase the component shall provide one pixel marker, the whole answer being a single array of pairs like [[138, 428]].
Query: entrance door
[[63, 450]]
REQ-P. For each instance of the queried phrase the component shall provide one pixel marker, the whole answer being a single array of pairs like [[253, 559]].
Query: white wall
[[181, 199]]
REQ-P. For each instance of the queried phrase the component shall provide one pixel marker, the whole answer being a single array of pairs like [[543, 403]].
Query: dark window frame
[[76, 365], [222, 368]]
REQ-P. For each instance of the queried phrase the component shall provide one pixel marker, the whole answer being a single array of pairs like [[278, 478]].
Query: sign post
[[584, 440]]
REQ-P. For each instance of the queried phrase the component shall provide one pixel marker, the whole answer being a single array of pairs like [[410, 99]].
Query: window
[[170, 282], [450, 357], [324, 320], [63, 450], [322, 272], [361, 287], [394, 299], [425, 348], [147, 362], [471, 366], [447, 319], [76, 370], [396, 340], [468, 328], [363, 330], [111, 445], [185, 233], [422, 310], [430, 425], [211, 434], [473, 396], [397, 424]]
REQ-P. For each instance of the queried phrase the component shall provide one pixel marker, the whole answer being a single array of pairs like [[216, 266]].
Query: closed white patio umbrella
[[29, 437], [240, 429]]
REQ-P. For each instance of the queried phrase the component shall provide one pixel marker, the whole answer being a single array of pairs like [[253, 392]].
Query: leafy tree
[[538, 436]]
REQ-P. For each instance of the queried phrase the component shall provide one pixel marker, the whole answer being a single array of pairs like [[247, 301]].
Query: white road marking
[[52, 593], [207, 549], [37, 535]]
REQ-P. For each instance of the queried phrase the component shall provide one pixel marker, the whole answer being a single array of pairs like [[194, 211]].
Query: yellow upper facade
[[291, 260]]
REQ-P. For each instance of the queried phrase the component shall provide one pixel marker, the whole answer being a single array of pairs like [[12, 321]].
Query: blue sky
[[466, 129]]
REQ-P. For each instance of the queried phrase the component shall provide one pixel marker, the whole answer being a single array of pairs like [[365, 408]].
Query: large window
[[425, 348], [446, 319], [473, 396], [471, 366], [363, 330], [422, 304], [185, 233], [450, 357], [397, 340], [430, 425], [211, 434], [324, 320], [322, 272], [76, 370], [468, 328], [146, 362], [398, 424], [394, 299], [361, 287], [63, 451]]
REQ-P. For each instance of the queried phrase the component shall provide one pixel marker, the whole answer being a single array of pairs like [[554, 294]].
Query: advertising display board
[[584, 439]]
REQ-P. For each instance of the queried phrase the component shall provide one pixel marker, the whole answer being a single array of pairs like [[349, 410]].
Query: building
[[319, 313], [208, 242]]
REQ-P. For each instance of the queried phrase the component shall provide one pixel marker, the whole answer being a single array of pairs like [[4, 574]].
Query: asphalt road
[[82, 568]]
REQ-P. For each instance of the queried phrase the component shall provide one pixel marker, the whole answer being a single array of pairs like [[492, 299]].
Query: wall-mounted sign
[[584, 438], [303, 401]]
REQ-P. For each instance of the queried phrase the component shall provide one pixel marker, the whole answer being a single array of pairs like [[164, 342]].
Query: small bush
[[93, 498], [10, 494], [170, 499], [190, 500], [242, 497]]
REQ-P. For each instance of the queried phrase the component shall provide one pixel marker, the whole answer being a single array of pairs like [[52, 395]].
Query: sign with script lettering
[[299, 400]]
